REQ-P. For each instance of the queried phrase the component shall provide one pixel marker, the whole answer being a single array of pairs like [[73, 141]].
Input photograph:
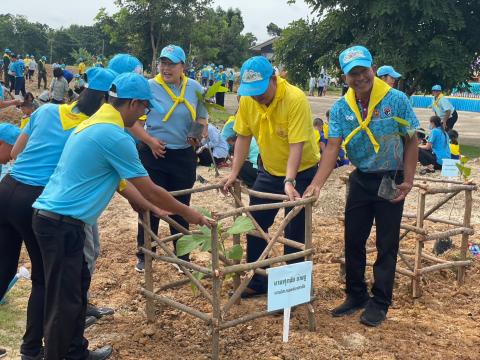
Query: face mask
[[430, 127]]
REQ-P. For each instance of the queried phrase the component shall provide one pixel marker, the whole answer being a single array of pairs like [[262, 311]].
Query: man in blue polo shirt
[[388, 74], [8, 135], [18, 68], [372, 118], [96, 157], [443, 108]]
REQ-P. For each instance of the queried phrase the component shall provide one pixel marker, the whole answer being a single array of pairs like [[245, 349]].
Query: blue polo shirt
[[440, 144], [221, 76], [384, 128], [231, 76], [18, 68], [89, 171], [174, 131], [204, 73], [46, 140], [211, 74], [442, 107], [216, 142]]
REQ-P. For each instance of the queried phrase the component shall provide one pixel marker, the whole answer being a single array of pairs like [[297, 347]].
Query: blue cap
[[100, 79], [255, 75], [436, 88], [355, 56], [174, 53], [76, 75], [227, 131], [44, 58], [7, 50], [9, 133], [26, 55], [220, 66], [388, 70], [134, 86], [122, 63]]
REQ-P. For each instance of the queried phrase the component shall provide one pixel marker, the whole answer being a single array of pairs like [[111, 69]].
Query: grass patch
[[13, 317], [470, 151], [218, 117]]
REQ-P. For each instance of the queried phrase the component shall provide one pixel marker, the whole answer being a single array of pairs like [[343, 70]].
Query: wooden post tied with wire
[[220, 317], [415, 261]]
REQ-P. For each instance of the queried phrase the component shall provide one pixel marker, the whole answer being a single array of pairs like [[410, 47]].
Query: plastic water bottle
[[22, 273]]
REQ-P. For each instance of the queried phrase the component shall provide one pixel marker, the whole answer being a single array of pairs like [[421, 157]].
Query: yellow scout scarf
[[24, 122], [176, 99], [68, 118], [266, 112], [107, 114], [435, 103], [379, 90]]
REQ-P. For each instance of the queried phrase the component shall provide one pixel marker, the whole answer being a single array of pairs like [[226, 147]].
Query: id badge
[[388, 188]]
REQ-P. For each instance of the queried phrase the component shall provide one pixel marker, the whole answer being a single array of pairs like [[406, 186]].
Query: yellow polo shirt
[[81, 68], [288, 122]]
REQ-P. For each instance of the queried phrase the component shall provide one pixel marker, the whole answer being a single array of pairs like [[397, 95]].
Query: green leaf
[[199, 276], [401, 121], [241, 225], [188, 243], [218, 107], [236, 252], [467, 172], [222, 89], [212, 90], [204, 212], [464, 159], [207, 244]]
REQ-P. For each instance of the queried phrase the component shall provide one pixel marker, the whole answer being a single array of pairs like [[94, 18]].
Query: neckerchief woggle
[[107, 114], [266, 111], [379, 90], [176, 99], [68, 118]]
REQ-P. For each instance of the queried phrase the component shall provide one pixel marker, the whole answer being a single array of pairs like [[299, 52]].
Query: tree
[[273, 29], [415, 36]]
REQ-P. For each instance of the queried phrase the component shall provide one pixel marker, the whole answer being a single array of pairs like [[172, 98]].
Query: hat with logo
[[122, 63], [255, 75], [388, 70], [174, 53], [355, 56], [9, 133], [134, 86], [99, 78], [436, 88]]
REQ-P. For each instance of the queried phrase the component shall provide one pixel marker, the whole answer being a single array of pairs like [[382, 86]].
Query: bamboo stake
[[428, 257], [435, 219], [196, 190], [229, 262], [187, 273], [261, 207], [450, 189], [295, 244], [175, 225], [178, 283], [420, 178], [236, 238], [448, 233], [266, 262], [264, 195], [308, 246], [447, 265], [416, 282], [176, 305], [168, 239], [246, 318], [398, 269], [149, 306], [467, 216], [177, 261], [243, 285], [216, 287]]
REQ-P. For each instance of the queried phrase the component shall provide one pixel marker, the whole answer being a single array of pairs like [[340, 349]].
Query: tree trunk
[[154, 49]]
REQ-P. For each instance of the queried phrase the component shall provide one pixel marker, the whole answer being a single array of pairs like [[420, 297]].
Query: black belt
[[60, 218]]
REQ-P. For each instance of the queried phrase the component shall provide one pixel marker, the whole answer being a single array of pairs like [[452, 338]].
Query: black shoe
[[98, 312], [349, 306], [100, 354], [89, 321], [39, 356], [3, 352], [140, 267], [373, 315]]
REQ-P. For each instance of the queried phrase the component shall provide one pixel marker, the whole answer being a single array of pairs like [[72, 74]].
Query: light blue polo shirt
[[19, 68], [46, 140], [174, 131], [204, 73], [2, 93], [384, 128], [440, 144], [217, 143], [442, 107], [211, 74], [89, 171]]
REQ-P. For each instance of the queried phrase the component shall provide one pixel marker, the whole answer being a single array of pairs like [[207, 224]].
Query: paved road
[[468, 124]]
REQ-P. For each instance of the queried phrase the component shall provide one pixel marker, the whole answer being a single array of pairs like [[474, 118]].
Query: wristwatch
[[289, 180]]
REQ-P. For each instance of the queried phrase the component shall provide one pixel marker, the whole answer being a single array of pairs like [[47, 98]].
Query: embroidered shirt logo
[[170, 49], [250, 76], [349, 117], [352, 55], [387, 111]]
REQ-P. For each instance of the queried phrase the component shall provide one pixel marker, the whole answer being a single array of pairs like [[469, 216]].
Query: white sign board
[[449, 168]]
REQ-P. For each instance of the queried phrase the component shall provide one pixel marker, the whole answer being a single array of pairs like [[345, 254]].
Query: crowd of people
[[144, 138]]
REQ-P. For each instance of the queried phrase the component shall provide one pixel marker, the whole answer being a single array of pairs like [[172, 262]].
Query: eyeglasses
[[147, 108], [167, 64]]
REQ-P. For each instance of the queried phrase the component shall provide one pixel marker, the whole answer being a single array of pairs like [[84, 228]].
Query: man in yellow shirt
[[81, 68], [278, 115]]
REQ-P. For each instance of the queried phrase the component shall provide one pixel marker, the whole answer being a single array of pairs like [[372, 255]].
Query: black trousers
[[67, 280], [205, 159], [20, 86], [30, 74], [204, 82], [42, 76], [11, 79], [362, 207], [427, 157], [176, 171], [16, 201], [230, 85], [220, 98], [320, 90], [248, 174], [295, 230], [451, 121]]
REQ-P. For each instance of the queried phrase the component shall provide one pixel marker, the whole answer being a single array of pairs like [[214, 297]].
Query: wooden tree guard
[[415, 260], [218, 319]]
